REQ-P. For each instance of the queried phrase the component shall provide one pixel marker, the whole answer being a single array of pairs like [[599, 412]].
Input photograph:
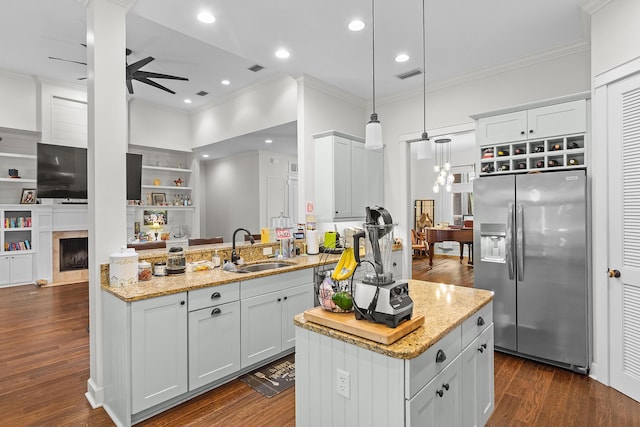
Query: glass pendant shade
[[424, 148], [442, 167], [373, 134], [436, 188]]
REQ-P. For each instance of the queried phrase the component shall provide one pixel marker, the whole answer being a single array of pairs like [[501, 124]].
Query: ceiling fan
[[134, 72]]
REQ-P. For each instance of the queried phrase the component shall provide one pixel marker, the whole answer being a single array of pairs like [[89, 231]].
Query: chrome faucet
[[234, 256]]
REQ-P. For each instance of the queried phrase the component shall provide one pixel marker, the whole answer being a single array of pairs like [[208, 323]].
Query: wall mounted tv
[[62, 172], [134, 176]]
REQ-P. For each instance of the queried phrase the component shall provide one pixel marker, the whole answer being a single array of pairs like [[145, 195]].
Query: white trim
[[592, 6], [531, 105], [447, 130], [313, 83], [94, 394], [600, 240], [617, 73]]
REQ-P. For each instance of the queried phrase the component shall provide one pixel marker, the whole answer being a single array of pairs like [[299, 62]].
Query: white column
[[107, 123]]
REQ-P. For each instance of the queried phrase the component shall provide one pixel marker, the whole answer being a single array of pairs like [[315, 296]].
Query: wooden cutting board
[[378, 332]]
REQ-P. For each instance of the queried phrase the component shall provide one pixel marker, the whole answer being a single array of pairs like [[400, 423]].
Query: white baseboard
[[94, 394]]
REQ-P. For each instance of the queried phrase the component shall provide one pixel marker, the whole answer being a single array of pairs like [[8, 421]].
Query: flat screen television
[[62, 172], [134, 176]]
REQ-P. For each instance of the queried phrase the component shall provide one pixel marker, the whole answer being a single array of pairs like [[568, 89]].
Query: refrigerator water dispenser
[[493, 243]]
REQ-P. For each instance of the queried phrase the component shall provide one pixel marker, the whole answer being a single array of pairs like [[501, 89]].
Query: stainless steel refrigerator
[[530, 248]]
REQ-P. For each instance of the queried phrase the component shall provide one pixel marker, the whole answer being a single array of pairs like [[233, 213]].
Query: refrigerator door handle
[[509, 242], [520, 241]]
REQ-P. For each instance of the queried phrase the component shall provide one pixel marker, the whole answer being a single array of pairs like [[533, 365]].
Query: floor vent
[[256, 68], [408, 74]]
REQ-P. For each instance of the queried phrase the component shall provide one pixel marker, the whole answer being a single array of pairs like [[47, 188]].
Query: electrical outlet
[[343, 383], [267, 251]]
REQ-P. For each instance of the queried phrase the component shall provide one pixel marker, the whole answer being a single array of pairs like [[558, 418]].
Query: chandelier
[[442, 167]]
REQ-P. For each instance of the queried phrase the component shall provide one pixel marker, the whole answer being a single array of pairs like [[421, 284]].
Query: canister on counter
[[144, 271], [160, 269]]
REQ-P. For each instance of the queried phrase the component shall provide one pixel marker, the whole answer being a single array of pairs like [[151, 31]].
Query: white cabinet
[[268, 305], [158, 350], [17, 151], [477, 379], [214, 333], [16, 244], [440, 401], [347, 178], [542, 122]]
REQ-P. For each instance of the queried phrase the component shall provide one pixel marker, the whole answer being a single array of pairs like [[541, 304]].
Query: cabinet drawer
[[215, 295], [275, 282], [422, 369], [478, 322]]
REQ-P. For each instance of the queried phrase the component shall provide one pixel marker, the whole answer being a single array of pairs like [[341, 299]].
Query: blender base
[[393, 305]]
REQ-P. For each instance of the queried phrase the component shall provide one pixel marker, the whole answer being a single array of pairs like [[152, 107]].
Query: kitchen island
[[440, 374]]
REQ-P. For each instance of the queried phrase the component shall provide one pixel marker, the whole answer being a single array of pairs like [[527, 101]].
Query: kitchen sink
[[252, 268]]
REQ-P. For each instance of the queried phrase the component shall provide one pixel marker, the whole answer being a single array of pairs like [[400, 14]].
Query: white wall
[[270, 103], [18, 109], [231, 195], [274, 168], [452, 105], [156, 126], [322, 107], [614, 35]]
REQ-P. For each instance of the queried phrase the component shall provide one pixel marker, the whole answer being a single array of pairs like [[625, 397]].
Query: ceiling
[[464, 38]]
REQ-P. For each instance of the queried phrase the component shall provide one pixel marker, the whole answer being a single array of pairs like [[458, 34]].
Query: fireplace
[[70, 257]]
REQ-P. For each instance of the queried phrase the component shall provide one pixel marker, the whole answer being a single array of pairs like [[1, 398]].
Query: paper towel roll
[[312, 242]]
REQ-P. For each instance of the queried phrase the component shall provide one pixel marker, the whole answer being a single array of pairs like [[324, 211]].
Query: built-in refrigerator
[[531, 250]]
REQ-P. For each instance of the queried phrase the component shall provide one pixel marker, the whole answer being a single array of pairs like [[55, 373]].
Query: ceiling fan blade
[[148, 74], [139, 64], [154, 84], [67, 60], [82, 78], [130, 86]]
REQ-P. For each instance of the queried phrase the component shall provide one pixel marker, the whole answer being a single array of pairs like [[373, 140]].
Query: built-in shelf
[[18, 156], [167, 187], [23, 180], [17, 229], [168, 207], [165, 169]]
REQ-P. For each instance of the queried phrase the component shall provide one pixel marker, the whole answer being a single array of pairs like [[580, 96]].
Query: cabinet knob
[[480, 349], [395, 264], [182, 302], [480, 321], [439, 392], [440, 356], [215, 295], [522, 133], [285, 298], [530, 130], [279, 299], [216, 311], [445, 386]]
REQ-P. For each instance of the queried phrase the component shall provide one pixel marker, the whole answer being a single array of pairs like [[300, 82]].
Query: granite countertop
[[175, 283], [443, 306]]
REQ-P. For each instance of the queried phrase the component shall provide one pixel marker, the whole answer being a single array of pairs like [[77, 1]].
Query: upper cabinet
[[347, 177], [18, 111], [542, 122], [551, 136]]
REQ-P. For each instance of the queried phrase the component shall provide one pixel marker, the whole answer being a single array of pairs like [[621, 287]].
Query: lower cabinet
[[16, 269], [267, 311], [439, 402], [214, 343], [477, 371], [158, 350]]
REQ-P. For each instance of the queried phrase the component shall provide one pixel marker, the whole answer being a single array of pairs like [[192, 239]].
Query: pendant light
[[424, 146], [442, 168], [373, 132]]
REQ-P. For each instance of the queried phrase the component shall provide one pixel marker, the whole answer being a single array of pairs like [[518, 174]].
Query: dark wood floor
[[44, 367]]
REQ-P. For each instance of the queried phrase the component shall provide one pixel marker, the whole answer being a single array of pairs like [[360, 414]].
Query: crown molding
[[592, 6], [548, 55], [312, 82], [269, 81]]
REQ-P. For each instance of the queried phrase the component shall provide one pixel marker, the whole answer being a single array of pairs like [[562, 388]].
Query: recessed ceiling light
[[187, 101], [282, 54], [268, 141], [402, 57], [205, 155], [206, 17], [225, 82], [356, 25]]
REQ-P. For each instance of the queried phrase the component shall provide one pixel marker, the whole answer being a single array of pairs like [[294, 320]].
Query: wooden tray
[[378, 332]]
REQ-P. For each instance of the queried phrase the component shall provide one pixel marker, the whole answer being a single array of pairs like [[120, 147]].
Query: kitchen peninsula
[[172, 338], [440, 374]]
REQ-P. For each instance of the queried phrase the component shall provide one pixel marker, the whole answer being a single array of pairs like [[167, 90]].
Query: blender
[[377, 297]]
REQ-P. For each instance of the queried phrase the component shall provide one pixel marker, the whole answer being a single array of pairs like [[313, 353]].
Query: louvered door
[[624, 235]]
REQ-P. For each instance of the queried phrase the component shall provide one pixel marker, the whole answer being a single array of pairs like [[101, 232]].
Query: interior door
[[624, 234]]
